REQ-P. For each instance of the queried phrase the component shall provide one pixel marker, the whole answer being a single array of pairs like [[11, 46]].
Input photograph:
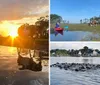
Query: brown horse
[[93, 23]]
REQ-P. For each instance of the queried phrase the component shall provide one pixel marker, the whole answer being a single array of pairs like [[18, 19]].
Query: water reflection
[[87, 61], [91, 60], [8, 51], [9, 54], [74, 36]]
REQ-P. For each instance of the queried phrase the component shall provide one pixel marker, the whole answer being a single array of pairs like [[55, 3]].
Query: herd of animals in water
[[77, 67]]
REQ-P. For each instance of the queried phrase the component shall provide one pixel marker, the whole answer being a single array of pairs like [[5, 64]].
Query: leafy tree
[[22, 29], [37, 30], [55, 18], [97, 18], [42, 25], [81, 21]]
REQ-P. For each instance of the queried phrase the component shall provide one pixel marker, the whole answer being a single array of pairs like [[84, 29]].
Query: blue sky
[[74, 10]]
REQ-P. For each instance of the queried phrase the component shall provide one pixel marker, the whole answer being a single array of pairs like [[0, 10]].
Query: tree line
[[57, 18], [85, 51], [88, 20]]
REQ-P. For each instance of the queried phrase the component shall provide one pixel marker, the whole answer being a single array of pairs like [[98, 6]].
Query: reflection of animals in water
[[28, 63], [93, 23], [24, 61], [85, 60]]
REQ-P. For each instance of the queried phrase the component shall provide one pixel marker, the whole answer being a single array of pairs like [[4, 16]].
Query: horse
[[93, 23]]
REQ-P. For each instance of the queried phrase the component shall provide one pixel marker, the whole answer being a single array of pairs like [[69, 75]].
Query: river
[[66, 77], [11, 52], [75, 36]]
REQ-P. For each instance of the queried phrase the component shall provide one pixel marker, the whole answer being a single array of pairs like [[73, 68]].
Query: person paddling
[[57, 25], [58, 29]]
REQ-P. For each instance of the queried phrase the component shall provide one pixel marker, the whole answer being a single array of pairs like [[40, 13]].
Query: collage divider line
[[49, 42]]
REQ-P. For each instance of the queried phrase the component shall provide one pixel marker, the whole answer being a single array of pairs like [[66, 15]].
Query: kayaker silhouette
[[58, 29]]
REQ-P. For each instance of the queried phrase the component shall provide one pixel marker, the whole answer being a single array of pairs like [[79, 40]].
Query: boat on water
[[59, 30]]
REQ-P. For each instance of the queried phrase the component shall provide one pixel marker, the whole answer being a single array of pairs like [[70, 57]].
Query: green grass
[[79, 27]]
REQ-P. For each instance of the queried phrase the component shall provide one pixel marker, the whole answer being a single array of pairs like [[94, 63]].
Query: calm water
[[63, 77], [74, 36], [8, 51], [11, 52]]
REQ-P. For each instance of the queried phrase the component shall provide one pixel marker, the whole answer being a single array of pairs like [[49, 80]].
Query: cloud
[[30, 20], [18, 9]]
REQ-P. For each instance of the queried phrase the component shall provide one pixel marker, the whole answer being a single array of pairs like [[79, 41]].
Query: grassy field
[[79, 27]]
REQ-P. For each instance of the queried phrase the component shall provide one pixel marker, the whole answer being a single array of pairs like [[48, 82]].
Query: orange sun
[[11, 28], [13, 34]]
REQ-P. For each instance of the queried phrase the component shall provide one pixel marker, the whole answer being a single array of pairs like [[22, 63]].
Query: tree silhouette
[[81, 21], [35, 31], [42, 25]]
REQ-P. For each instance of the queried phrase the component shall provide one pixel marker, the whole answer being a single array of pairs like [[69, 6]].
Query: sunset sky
[[14, 13]]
